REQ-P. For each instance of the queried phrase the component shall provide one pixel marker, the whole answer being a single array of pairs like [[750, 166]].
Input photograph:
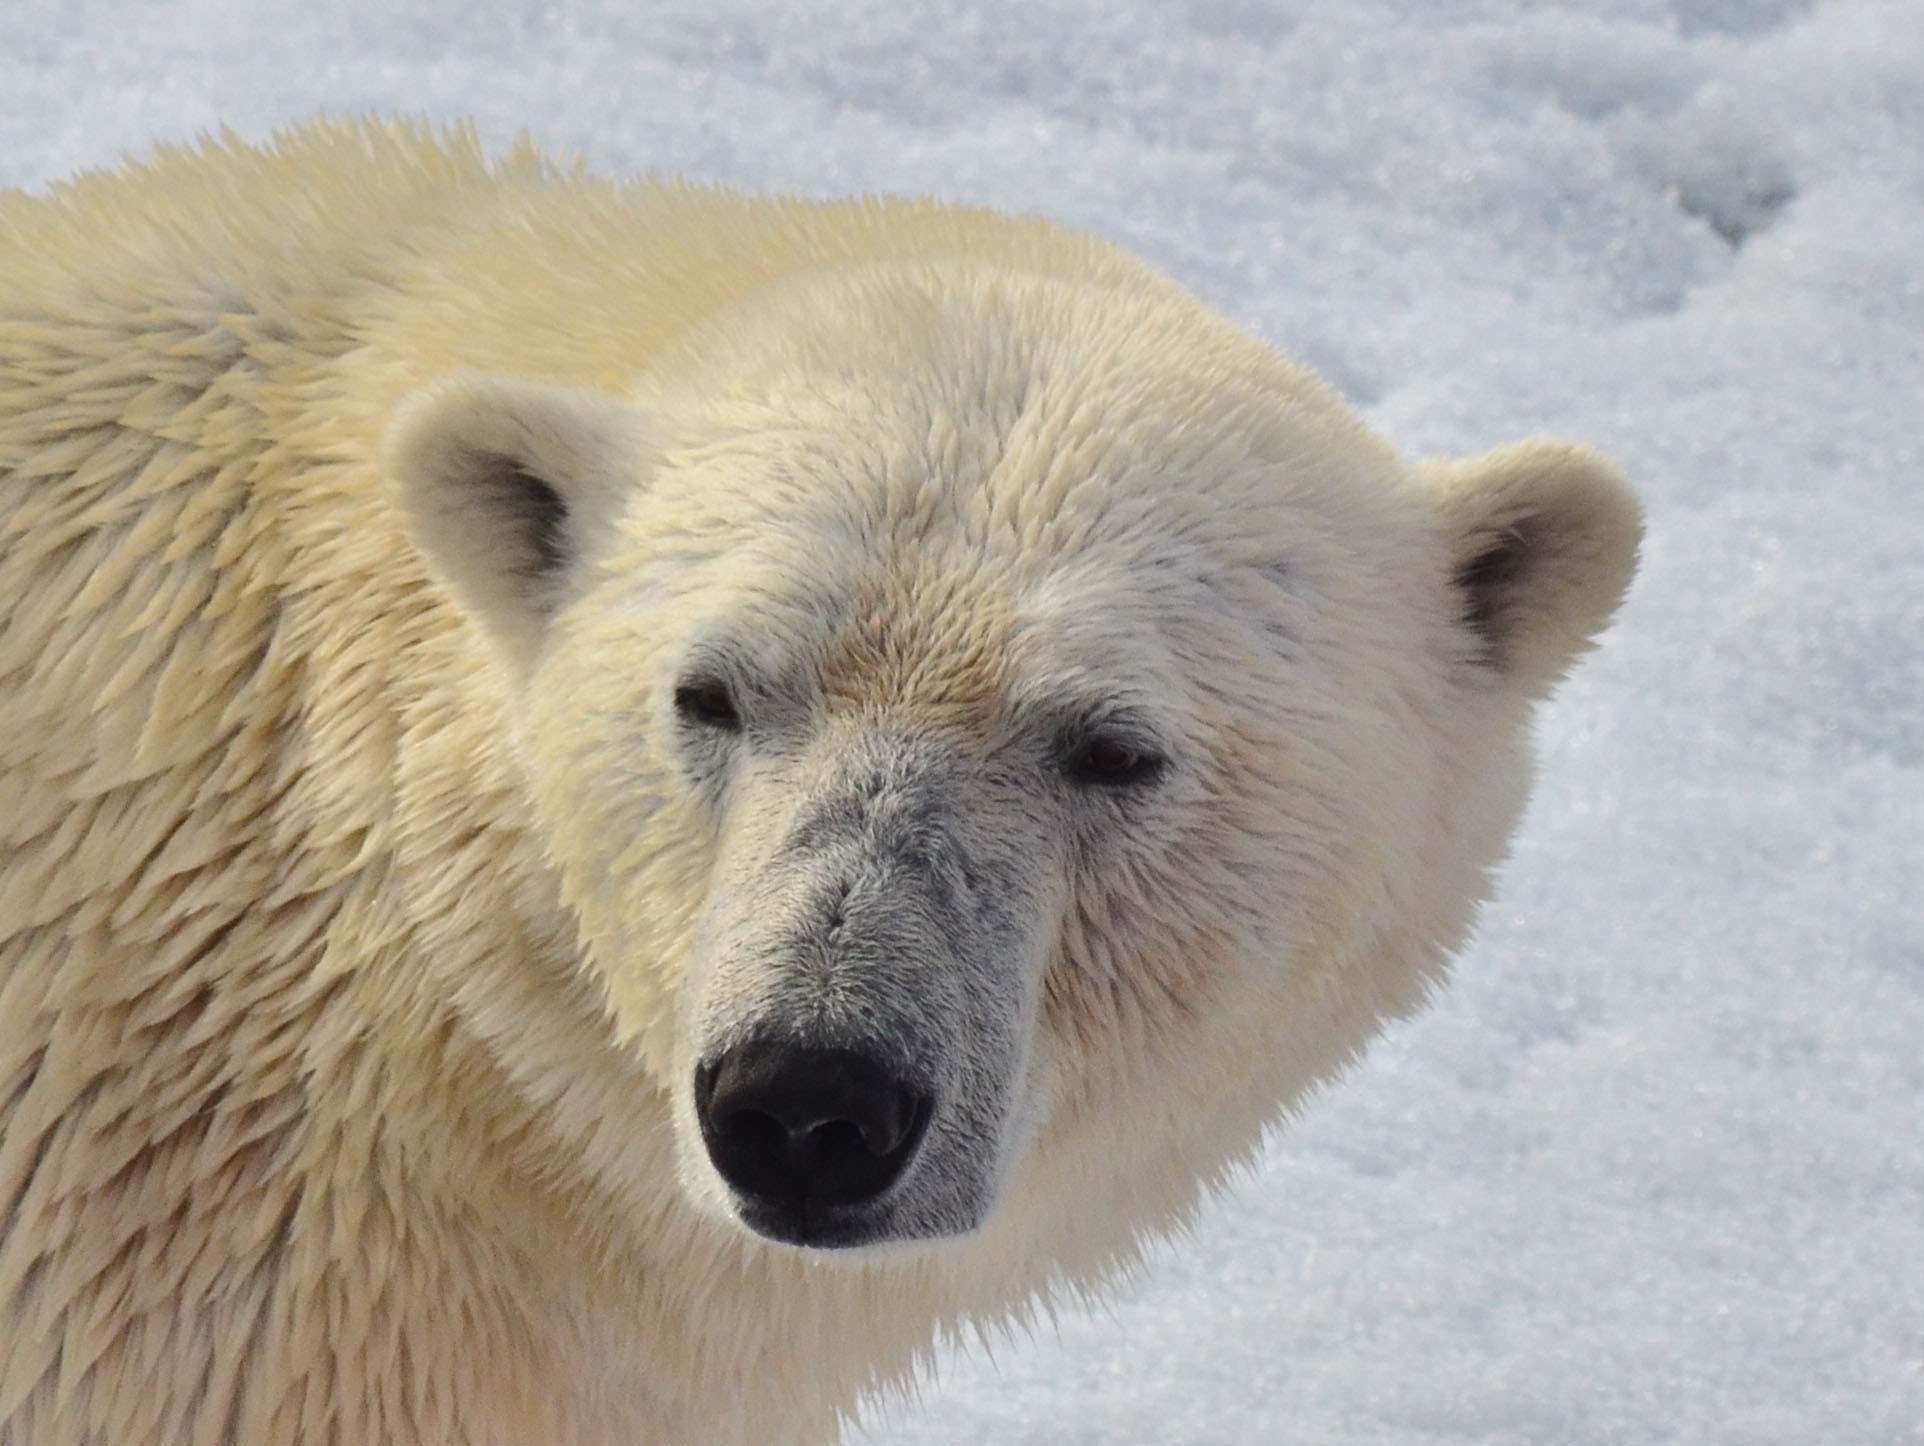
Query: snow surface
[[1653, 1170]]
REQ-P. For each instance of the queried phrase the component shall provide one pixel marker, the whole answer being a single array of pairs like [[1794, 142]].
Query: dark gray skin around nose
[[794, 1128]]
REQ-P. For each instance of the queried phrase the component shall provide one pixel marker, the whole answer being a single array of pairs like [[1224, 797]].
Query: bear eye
[[1107, 760], [708, 703]]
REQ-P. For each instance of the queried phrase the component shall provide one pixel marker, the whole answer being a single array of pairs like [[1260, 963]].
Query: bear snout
[[801, 1132]]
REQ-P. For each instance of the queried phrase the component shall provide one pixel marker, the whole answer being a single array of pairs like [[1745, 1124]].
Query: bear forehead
[[914, 467], [1023, 470], [927, 631], [935, 380], [929, 643]]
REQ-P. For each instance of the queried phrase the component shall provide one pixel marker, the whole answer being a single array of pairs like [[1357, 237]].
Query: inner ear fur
[[502, 482], [1543, 541]]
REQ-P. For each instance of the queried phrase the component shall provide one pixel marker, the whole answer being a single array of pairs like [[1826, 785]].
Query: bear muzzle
[[860, 1007]]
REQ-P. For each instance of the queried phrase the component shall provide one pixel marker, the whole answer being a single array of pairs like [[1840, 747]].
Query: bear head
[[1003, 740]]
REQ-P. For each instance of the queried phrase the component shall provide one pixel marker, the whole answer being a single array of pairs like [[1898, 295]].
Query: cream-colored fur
[[362, 920]]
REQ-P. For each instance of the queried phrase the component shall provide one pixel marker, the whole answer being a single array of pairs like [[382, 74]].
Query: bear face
[[1063, 730]]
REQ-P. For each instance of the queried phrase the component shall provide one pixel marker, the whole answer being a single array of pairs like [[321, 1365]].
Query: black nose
[[788, 1125]]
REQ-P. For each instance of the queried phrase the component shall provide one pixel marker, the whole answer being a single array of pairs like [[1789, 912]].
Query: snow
[[1653, 1169]]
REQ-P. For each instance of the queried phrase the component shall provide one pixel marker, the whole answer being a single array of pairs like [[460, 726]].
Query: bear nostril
[[789, 1125]]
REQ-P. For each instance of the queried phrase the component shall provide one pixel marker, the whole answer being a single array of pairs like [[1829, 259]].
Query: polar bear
[[624, 802]]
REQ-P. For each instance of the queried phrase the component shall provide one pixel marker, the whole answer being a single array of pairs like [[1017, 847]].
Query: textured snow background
[[1653, 1170]]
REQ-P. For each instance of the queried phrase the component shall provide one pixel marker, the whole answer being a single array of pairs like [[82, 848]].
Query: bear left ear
[[503, 482], [1543, 542]]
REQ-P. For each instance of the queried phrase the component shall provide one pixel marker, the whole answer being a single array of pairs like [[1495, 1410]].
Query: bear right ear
[[502, 482]]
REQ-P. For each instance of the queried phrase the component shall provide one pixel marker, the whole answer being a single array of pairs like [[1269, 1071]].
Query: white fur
[[365, 907]]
